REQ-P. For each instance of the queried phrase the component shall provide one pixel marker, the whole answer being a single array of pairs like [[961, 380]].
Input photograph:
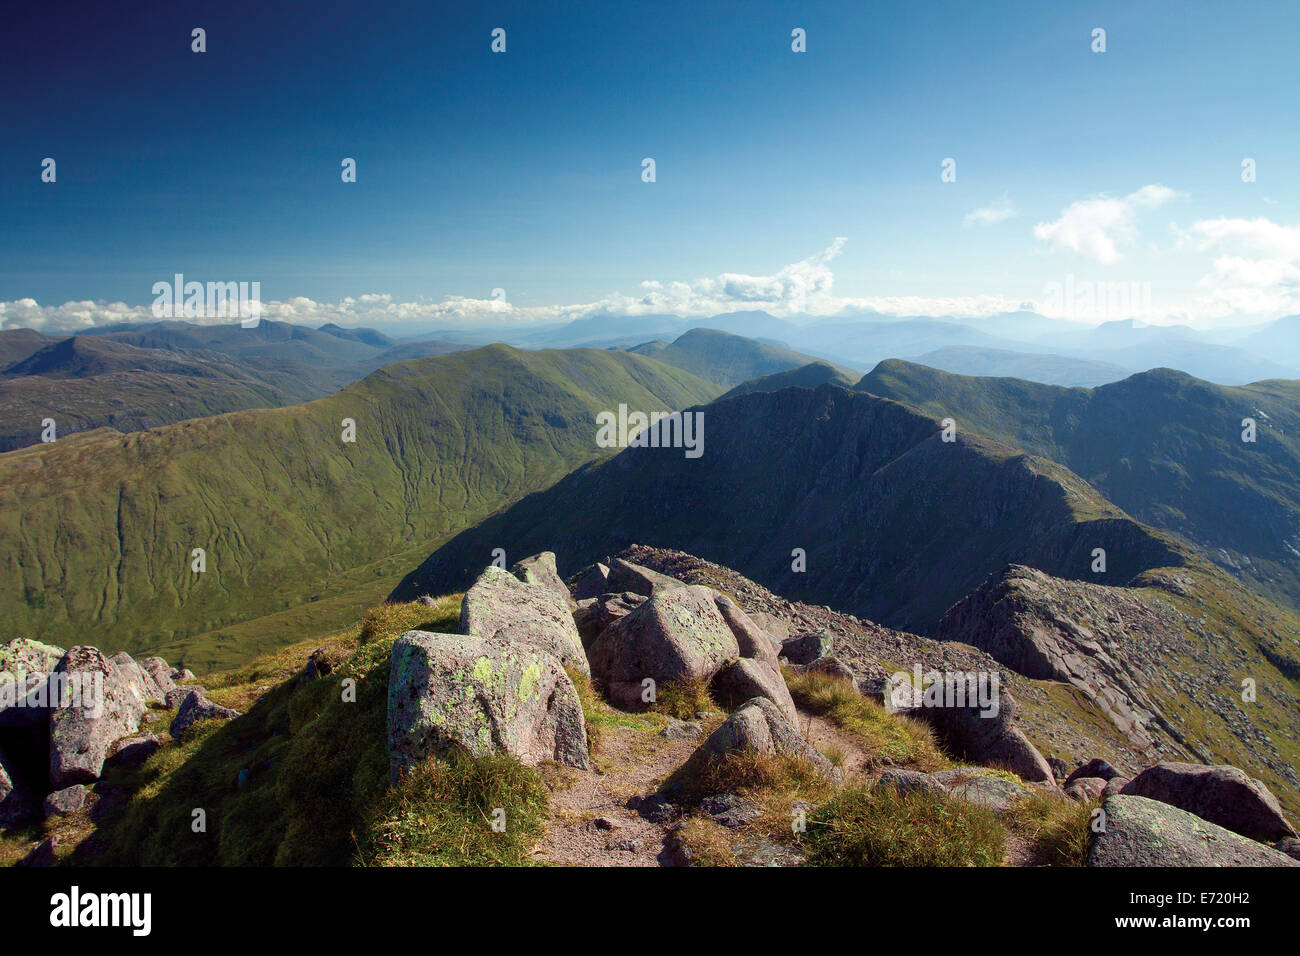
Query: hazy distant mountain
[[18, 344], [725, 358], [366, 336], [1280, 341], [1049, 369], [86, 382]]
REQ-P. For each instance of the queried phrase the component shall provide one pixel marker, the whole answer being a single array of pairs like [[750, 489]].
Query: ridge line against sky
[[521, 171]]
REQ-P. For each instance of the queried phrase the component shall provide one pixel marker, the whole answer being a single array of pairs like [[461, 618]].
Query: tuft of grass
[[863, 826], [894, 737], [601, 717], [683, 699], [390, 621], [753, 774], [1058, 828], [707, 842], [442, 814]]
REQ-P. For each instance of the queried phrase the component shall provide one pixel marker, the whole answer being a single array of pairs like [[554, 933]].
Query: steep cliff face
[[828, 496]]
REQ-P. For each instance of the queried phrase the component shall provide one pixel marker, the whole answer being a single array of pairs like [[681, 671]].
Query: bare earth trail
[[636, 763]]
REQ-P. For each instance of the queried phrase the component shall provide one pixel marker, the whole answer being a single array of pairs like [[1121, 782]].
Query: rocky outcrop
[[97, 707], [63, 802], [758, 726], [808, 647], [591, 582], [539, 569], [1143, 832], [459, 691], [1222, 795], [500, 608], [677, 635], [626, 576]]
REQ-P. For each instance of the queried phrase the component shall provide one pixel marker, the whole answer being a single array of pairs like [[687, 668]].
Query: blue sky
[[522, 170]]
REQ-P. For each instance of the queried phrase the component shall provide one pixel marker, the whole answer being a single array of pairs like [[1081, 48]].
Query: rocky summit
[[652, 708]]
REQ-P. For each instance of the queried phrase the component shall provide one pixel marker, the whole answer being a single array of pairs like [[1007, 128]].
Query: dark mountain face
[[1165, 447], [723, 358], [896, 523]]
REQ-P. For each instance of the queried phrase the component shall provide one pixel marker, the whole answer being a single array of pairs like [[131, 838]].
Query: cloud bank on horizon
[[1252, 274]]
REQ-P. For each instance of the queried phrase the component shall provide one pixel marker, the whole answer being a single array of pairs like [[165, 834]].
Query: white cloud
[[1101, 226], [1256, 270], [1000, 210]]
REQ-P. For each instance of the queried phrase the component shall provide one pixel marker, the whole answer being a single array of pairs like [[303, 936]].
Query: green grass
[[864, 826], [442, 814], [884, 736], [101, 525], [684, 699], [1058, 828]]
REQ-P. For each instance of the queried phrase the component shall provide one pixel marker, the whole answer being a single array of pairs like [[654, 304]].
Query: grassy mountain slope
[[724, 358], [1165, 447], [99, 527], [18, 344], [896, 523]]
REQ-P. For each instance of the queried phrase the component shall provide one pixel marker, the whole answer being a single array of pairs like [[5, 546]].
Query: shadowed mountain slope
[[896, 523], [724, 358], [1165, 447]]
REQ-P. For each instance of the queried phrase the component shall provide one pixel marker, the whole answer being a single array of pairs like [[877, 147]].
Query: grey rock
[[591, 582], [1290, 846], [678, 634], [63, 802], [681, 730], [626, 576], [1084, 789], [500, 608], [593, 615], [196, 707], [1096, 767], [758, 726], [456, 691], [1223, 795], [807, 647], [98, 708], [981, 789], [539, 569], [1143, 832], [745, 678], [907, 781], [730, 810], [134, 751], [752, 640]]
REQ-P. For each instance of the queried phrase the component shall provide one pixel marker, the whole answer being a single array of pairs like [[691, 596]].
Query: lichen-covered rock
[[196, 707], [746, 678], [593, 615], [980, 787], [1096, 767], [25, 656], [1222, 795], [137, 680], [95, 707], [503, 609], [758, 726], [1143, 832], [133, 751], [807, 647], [540, 569], [25, 701], [591, 582], [626, 576], [678, 634], [450, 691], [176, 696], [907, 781]]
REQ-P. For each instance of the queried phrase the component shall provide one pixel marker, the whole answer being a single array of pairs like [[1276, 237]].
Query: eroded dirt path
[[634, 763]]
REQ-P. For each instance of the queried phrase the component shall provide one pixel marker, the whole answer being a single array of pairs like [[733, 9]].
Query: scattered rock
[[752, 640], [656, 808], [759, 726], [623, 846], [743, 679], [176, 696], [1143, 832], [605, 823], [1222, 795], [426, 600], [730, 810], [678, 634], [1096, 767], [681, 730], [134, 751], [592, 581], [17, 802], [1290, 846], [500, 608], [196, 707], [65, 801], [807, 647], [981, 789], [452, 690], [1084, 789], [160, 673], [906, 781], [318, 665], [43, 854]]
